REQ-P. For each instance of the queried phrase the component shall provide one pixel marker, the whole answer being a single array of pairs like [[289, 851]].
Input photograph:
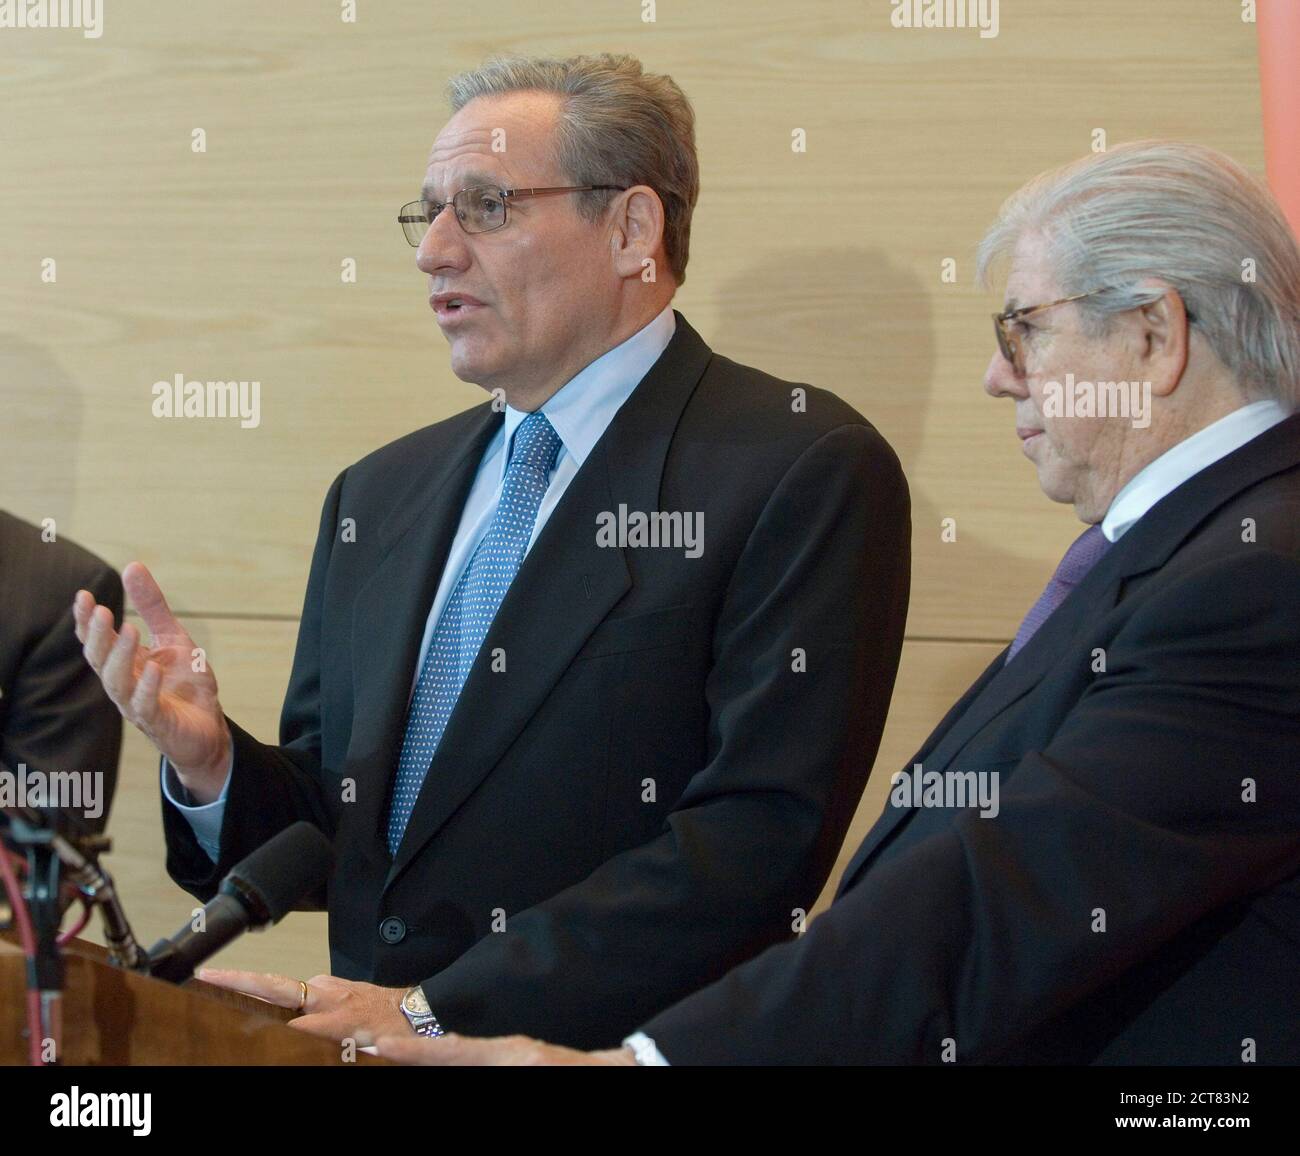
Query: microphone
[[260, 890]]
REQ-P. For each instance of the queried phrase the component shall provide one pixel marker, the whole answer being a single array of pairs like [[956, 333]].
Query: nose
[[443, 245], [1001, 380]]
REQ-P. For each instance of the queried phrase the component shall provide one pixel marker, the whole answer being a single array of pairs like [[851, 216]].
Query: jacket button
[[392, 930]]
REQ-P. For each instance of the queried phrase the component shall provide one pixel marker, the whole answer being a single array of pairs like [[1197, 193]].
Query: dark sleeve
[[271, 787], [985, 932], [755, 833], [59, 718]]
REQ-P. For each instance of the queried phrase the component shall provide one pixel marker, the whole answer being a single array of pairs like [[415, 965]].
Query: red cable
[[28, 939], [78, 927]]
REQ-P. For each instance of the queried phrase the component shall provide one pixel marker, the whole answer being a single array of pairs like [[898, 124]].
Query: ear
[[1162, 331], [637, 234]]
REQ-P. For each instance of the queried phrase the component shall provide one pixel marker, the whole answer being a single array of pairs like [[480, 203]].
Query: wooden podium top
[[117, 1017]]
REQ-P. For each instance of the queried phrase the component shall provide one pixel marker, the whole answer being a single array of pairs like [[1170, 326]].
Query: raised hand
[[157, 688]]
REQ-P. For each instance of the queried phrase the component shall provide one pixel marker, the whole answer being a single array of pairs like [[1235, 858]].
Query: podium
[[117, 1017]]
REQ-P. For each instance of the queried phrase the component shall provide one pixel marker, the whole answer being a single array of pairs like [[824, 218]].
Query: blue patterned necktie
[[1081, 557], [469, 611]]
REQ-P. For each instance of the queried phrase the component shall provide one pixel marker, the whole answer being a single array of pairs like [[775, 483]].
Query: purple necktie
[[1079, 559]]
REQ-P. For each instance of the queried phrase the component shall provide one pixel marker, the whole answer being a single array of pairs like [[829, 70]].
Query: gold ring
[[302, 999]]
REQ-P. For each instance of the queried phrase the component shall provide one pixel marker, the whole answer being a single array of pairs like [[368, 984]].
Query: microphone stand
[[51, 854], [45, 967]]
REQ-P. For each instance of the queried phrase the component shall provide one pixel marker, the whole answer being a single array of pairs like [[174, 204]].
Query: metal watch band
[[432, 1028], [422, 1020]]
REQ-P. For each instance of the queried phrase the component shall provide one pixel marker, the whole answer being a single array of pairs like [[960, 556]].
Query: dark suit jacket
[[54, 714], [1122, 795], [647, 791]]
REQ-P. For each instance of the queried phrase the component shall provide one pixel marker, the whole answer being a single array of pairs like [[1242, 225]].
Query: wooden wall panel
[[821, 266]]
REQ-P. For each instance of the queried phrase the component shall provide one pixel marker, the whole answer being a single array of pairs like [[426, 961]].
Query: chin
[[1056, 488], [468, 367]]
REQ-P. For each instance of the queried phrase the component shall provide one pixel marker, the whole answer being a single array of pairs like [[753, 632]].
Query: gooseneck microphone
[[260, 890]]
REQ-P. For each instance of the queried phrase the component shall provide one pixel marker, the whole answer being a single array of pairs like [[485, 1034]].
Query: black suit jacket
[[1125, 803], [644, 794], [54, 714]]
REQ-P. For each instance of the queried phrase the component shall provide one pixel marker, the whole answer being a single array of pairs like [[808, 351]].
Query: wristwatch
[[416, 1010]]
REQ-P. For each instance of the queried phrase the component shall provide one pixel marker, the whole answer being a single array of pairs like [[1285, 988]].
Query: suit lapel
[[1001, 685], [391, 609], [565, 587], [1147, 546], [892, 816]]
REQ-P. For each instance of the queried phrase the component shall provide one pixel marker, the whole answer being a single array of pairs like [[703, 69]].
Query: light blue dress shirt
[[580, 412]]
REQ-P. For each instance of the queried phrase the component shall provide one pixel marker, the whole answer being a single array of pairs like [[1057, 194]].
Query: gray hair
[[1187, 215], [617, 126]]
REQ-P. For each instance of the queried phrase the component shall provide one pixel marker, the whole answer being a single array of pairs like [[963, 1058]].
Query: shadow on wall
[[41, 413], [854, 323]]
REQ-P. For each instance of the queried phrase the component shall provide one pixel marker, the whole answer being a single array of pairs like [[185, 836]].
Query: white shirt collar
[[1190, 456], [582, 408]]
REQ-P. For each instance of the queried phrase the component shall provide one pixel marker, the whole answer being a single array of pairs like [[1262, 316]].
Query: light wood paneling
[[821, 266]]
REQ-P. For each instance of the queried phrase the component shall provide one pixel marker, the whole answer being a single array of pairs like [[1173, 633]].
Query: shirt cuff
[[643, 1047], [204, 819]]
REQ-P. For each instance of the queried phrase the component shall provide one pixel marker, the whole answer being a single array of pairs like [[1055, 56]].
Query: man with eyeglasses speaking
[[1134, 897], [589, 677]]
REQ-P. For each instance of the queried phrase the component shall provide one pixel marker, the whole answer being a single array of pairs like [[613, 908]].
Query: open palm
[[167, 689]]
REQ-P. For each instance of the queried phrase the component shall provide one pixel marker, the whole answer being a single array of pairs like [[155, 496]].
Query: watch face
[[414, 1002]]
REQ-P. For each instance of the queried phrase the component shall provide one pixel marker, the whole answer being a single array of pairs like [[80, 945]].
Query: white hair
[[1184, 214]]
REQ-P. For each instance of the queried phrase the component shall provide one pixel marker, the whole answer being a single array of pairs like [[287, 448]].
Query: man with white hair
[[1133, 898]]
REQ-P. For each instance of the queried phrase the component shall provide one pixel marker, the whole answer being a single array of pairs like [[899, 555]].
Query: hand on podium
[[451, 1051], [166, 690], [330, 1007]]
